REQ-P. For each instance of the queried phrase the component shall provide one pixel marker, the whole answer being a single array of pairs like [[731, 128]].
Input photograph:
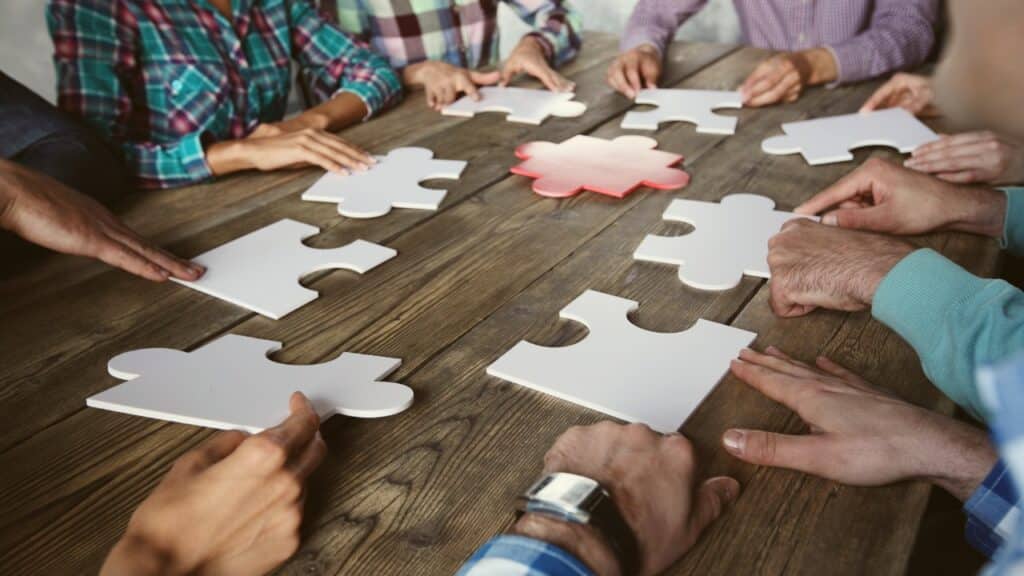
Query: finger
[[508, 72], [964, 177], [780, 387], [633, 79], [854, 185], [873, 218], [776, 360], [177, 267], [218, 447], [298, 430], [485, 78], [650, 70], [310, 459], [617, 79], [840, 371], [318, 155], [338, 153], [120, 256], [711, 499], [466, 85], [755, 78], [953, 141], [346, 148], [777, 450], [880, 98], [783, 305], [777, 91]]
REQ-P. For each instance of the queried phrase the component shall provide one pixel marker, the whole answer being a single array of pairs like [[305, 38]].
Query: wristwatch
[[581, 500]]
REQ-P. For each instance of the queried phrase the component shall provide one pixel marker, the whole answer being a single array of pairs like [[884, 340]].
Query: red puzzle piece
[[611, 167]]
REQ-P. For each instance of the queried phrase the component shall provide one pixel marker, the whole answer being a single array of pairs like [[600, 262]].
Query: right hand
[[231, 506], [883, 197], [443, 82], [46, 212], [653, 481], [271, 147], [635, 70], [911, 92]]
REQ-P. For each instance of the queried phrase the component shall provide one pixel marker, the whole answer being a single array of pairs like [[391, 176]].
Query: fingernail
[[734, 441], [828, 219], [772, 349], [197, 268], [319, 437], [165, 273]]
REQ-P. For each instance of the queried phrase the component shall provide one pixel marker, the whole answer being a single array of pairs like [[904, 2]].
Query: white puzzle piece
[[729, 239], [261, 270], [394, 182], [524, 105], [828, 140], [231, 384], [625, 371], [695, 106]]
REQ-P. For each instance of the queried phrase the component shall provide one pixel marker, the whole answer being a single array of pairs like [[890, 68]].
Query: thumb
[[871, 218], [711, 499], [771, 449], [485, 78]]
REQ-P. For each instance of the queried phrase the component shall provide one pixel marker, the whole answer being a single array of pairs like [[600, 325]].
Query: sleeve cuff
[[193, 157], [992, 511], [1013, 225], [633, 38], [374, 100], [851, 63], [511, 554]]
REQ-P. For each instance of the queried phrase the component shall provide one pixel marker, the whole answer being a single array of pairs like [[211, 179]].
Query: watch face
[[567, 491]]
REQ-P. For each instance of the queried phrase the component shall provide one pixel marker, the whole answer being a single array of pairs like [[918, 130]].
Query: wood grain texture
[[493, 266]]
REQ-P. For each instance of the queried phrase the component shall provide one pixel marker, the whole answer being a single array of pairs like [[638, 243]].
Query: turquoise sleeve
[[954, 320], [1013, 229]]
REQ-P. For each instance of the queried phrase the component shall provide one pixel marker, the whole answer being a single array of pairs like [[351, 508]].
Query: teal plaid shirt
[[163, 78]]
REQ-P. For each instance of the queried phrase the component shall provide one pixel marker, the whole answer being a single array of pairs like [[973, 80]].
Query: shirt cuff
[[917, 295], [638, 37], [1013, 225], [375, 99], [193, 157], [992, 511], [521, 556]]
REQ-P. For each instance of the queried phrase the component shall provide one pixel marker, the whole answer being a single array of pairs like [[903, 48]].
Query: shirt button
[[177, 85]]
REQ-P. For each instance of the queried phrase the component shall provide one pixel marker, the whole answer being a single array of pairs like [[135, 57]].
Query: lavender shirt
[[867, 37]]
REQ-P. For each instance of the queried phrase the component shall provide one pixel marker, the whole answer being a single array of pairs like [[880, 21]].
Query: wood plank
[[49, 437], [112, 312]]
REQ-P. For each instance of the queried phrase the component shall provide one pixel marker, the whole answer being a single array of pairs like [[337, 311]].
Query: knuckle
[[266, 451], [286, 486], [764, 447], [681, 447]]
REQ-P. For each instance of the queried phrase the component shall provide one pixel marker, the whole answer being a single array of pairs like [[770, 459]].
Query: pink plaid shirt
[[868, 38]]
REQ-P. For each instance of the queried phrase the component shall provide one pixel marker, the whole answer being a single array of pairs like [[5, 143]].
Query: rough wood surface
[[493, 266]]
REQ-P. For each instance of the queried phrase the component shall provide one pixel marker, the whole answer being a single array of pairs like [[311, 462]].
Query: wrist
[[412, 75], [820, 65], [582, 541], [961, 456], [879, 263], [227, 156], [135, 555], [984, 211]]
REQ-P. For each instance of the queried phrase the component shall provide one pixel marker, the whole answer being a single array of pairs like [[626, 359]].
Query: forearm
[[954, 320], [655, 22], [339, 112]]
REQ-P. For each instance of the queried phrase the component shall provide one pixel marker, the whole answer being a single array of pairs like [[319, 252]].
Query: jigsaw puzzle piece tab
[[523, 105], [625, 371], [230, 383], [696, 106], [261, 270], [394, 182]]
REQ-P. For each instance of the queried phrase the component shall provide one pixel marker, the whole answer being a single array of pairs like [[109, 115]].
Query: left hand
[[814, 265], [860, 435], [528, 57], [971, 157], [780, 78]]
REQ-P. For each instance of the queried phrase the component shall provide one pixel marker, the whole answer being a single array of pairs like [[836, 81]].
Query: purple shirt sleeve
[[656, 21], [900, 36]]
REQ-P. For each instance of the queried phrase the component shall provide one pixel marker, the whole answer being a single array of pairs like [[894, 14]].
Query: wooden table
[[418, 492]]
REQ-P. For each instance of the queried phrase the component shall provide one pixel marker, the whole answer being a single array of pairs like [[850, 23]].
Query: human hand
[[528, 57], [783, 77], [883, 197], [971, 157], [635, 70], [652, 480], [911, 92], [273, 147], [231, 506], [46, 212], [813, 265], [443, 82], [860, 435]]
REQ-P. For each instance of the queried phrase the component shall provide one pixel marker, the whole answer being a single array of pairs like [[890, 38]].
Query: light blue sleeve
[[954, 320], [1013, 229]]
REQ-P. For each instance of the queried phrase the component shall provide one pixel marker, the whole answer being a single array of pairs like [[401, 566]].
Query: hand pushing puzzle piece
[[695, 106], [625, 371], [610, 167], [730, 239], [828, 140], [261, 270], [231, 384], [394, 182], [523, 105]]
